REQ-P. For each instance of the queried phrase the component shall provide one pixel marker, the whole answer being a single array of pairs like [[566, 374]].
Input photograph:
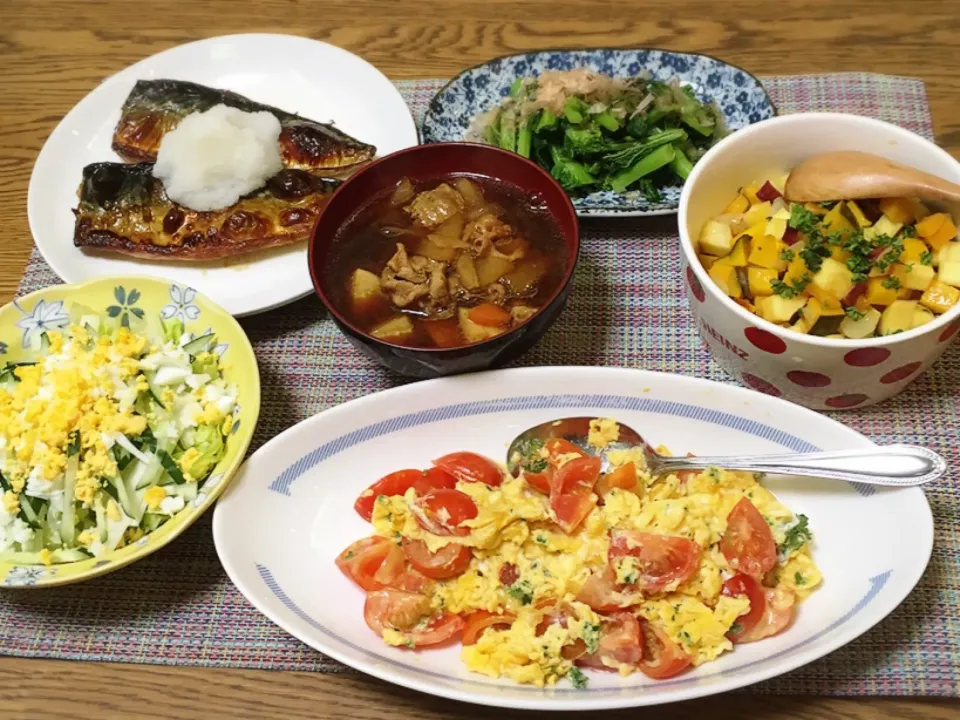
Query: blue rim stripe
[[876, 585], [283, 483]]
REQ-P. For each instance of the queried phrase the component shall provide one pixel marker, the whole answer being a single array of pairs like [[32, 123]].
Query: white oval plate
[[317, 80], [289, 512]]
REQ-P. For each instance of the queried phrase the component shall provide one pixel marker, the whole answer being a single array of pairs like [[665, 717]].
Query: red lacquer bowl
[[423, 164]]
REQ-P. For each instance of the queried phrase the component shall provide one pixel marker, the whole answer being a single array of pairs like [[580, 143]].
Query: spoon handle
[[895, 465]]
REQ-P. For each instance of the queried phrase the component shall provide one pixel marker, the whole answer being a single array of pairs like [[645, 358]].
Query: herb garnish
[[799, 579], [792, 289], [522, 591], [854, 314], [927, 258], [591, 636], [892, 283], [529, 451], [796, 536], [577, 677], [802, 219], [787, 255]]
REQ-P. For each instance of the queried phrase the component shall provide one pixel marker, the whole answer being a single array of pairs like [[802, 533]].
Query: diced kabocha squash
[[897, 210], [779, 309], [937, 229], [758, 213], [815, 208], [857, 214], [863, 327], [706, 260], [759, 280], [884, 290], [716, 239], [949, 271], [396, 329], [725, 276], [921, 316], [737, 222], [939, 297], [740, 204], [834, 278], [801, 325], [884, 226], [913, 251], [796, 270], [765, 252], [919, 277], [897, 317], [829, 303], [918, 209], [750, 192], [838, 253], [812, 311], [475, 332], [834, 221]]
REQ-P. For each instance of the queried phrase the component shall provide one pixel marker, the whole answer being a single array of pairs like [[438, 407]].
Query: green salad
[[593, 132]]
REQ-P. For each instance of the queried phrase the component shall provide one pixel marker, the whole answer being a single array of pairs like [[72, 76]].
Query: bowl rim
[[506, 156], [693, 262], [252, 398]]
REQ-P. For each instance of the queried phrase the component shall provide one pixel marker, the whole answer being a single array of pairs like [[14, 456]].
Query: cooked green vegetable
[[594, 132]]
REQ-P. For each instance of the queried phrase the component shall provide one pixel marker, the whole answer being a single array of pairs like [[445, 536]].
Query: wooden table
[[52, 52]]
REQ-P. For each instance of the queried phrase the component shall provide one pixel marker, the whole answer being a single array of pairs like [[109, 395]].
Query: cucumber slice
[[67, 524], [200, 344], [188, 491], [151, 521]]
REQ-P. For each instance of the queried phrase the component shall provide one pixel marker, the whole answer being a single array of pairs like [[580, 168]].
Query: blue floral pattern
[[739, 96], [182, 307], [125, 306], [27, 575], [45, 316]]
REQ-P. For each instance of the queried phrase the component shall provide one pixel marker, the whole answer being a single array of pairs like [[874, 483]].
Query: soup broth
[[446, 263]]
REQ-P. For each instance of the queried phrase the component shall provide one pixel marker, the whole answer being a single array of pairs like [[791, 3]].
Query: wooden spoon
[[851, 175]]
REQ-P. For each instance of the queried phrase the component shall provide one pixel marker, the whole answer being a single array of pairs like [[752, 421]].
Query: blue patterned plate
[[739, 95]]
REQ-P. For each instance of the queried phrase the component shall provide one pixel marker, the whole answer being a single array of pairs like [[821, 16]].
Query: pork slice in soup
[[447, 263]]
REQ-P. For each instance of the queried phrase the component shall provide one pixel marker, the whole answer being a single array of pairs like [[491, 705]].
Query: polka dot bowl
[[820, 373]]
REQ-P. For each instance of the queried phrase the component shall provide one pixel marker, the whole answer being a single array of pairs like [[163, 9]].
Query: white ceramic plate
[[312, 78], [289, 513]]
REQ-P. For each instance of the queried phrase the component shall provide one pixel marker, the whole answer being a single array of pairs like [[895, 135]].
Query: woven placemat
[[628, 309]]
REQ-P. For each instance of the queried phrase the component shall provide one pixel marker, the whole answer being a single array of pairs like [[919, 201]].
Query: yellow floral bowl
[[131, 299]]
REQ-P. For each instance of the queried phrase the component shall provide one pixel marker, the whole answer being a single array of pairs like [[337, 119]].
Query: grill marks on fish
[[155, 107], [124, 209]]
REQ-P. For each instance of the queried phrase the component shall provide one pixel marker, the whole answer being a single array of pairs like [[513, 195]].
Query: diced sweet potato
[[765, 252], [725, 276], [759, 280], [834, 278], [919, 277], [898, 317], [740, 204], [897, 210], [716, 238], [862, 327]]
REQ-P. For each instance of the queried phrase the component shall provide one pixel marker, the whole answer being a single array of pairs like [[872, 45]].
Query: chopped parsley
[[713, 474], [74, 447], [889, 257], [927, 258], [909, 231], [529, 451], [855, 243], [577, 678], [802, 219], [799, 579], [541, 539], [736, 628], [685, 636], [591, 636], [349, 555], [796, 537], [814, 253], [409, 643], [859, 265], [522, 590], [792, 289], [630, 578], [828, 204], [854, 314], [892, 283], [787, 254]]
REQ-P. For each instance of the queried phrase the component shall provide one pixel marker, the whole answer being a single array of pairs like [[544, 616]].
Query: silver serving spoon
[[894, 465]]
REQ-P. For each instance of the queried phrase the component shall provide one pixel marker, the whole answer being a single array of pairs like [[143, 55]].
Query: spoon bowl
[[890, 465], [852, 175]]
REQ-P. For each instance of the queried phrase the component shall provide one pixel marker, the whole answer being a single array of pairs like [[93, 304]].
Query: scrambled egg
[[514, 527]]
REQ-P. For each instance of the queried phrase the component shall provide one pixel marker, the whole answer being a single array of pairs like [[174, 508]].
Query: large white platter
[[289, 513], [319, 81]]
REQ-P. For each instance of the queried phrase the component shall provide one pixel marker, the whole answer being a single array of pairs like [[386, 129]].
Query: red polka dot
[[805, 378], [761, 385], [695, 285], [900, 373], [950, 330], [865, 357], [766, 341], [846, 401]]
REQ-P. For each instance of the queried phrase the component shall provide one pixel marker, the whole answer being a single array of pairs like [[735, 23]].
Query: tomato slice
[[560, 614], [748, 543], [624, 477], [662, 657], [441, 511], [470, 467], [571, 494], [620, 643], [411, 580], [778, 610], [558, 448], [450, 561], [661, 559], [481, 620], [599, 591], [741, 584], [539, 481], [373, 562], [508, 575], [396, 483], [405, 612]]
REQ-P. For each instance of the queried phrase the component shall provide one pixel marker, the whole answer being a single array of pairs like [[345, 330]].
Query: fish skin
[[155, 107], [123, 209]]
